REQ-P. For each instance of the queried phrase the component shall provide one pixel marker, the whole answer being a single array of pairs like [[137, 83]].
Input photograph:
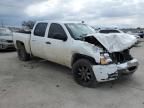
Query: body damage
[[122, 61], [112, 71], [87, 49], [115, 42]]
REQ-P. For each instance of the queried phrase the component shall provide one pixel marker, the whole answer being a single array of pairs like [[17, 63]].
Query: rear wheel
[[22, 54], [83, 73]]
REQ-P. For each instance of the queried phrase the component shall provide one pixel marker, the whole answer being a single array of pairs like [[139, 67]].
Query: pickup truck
[[93, 57]]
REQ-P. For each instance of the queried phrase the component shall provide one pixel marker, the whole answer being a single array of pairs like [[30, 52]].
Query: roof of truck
[[63, 22]]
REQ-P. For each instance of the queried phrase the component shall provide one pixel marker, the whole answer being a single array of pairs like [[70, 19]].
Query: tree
[[138, 28], [28, 24]]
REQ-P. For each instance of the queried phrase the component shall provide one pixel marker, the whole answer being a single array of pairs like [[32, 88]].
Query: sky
[[99, 13]]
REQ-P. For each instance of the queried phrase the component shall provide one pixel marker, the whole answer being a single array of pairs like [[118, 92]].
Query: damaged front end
[[120, 63], [114, 61]]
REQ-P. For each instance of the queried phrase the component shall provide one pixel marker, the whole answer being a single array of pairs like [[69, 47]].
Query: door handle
[[33, 40], [48, 42]]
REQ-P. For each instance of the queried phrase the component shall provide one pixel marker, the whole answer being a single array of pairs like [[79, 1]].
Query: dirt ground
[[42, 84]]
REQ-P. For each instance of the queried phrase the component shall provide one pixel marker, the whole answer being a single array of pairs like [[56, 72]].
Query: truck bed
[[24, 38]]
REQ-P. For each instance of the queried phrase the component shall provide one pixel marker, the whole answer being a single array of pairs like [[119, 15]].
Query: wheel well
[[19, 44], [81, 56]]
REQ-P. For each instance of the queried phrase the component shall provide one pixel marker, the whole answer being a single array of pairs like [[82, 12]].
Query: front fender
[[88, 49]]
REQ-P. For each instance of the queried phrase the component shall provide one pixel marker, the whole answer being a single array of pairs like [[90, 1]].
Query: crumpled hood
[[115, 42]]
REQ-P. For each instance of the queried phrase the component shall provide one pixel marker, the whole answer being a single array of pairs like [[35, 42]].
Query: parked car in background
[[93, 57], [137, 33], [6, 41], [106, 31], [141, 34]]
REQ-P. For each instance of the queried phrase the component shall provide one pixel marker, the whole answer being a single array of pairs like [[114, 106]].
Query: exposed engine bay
[[93, 40], [121, 57]]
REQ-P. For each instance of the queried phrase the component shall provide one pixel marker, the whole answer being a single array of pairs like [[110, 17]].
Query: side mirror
[[60, 36]]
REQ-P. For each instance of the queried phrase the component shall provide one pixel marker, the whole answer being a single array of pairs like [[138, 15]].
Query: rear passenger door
[[56, 49], [37, 39]]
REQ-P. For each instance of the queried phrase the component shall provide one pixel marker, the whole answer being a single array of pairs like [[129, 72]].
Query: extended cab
[[93, 57]]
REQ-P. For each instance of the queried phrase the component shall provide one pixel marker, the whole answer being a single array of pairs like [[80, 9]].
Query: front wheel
[[83, 73], [22, 54]]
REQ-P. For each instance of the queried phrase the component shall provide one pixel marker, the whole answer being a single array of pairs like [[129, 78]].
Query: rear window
[[109, 31]]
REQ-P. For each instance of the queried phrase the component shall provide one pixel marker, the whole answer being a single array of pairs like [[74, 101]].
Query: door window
[[40, 29], [56, 29]]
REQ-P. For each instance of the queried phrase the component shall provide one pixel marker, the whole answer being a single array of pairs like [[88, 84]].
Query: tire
[[141, 36], [22, 54], [83, 73]]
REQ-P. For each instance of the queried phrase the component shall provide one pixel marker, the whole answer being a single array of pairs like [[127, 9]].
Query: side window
[[56, 29], [40, 29], [103, 31]]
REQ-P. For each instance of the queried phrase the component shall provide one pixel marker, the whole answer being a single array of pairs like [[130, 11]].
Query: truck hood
[[115, 42]]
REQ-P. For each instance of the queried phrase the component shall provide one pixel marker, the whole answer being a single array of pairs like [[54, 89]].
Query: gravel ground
[[42, 84]]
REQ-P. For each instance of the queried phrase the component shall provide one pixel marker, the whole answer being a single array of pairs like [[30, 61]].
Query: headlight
[[105, 58], [3, 40]]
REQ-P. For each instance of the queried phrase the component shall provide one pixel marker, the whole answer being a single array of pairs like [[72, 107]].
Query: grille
[[121, 57], [9, 41]]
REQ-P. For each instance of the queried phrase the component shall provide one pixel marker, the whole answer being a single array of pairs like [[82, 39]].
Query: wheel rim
[[84, 73]]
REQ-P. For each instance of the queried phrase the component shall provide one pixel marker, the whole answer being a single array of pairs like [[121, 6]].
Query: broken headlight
[[105, 59]]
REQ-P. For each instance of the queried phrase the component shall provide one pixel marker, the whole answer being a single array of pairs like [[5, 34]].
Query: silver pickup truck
[[6, 41], [93, 57]]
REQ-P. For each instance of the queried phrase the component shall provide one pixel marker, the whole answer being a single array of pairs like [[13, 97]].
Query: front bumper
[[5, 45], [113, 71]]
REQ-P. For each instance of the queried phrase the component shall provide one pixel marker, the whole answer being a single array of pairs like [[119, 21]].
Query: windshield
[[5, 32], [109, 31], [77, 31]]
